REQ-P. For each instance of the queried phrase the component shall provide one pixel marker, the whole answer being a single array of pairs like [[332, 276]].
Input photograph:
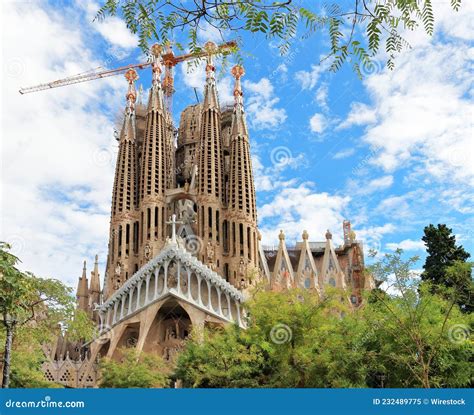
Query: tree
[[294, 339], [402, 336], [421, 339], [443, 255], [27, 357], [356, 30], [462, 285], [31, 310], [133, 370]]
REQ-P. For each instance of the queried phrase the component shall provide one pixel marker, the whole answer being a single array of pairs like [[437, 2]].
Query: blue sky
[[392, 153]]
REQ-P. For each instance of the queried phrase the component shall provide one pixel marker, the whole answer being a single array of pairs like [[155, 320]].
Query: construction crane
[[169, 61]]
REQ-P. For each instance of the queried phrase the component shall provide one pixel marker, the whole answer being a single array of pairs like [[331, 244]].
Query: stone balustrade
[[174, 272]]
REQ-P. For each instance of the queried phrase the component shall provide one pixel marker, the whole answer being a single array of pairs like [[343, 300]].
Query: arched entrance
[[170, 328], [128, 339]]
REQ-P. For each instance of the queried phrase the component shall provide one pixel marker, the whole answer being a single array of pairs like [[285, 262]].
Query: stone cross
[[173, 222]]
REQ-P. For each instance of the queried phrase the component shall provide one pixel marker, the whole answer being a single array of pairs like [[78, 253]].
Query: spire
[[124, 197], [82, 294], [210, 154], [94, 289], [331, 272], [155, 149], [156, 98], [241, 186], [210, 89], [95, 279], [239, 126]]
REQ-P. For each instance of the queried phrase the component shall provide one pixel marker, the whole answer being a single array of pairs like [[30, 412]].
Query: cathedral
[[184, 247]]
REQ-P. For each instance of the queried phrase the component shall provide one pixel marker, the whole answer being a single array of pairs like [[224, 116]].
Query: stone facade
[[184, 247]]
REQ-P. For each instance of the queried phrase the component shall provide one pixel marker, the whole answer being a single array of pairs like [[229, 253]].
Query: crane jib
[[169, 58]]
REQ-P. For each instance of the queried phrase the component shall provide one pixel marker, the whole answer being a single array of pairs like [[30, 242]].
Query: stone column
[[209, 300], [138, 295], [199, 290], [122, 305], [239, 322], [130, 298], [188, 292], [229, 315], [219, 305], [114, 320], [147, 289]]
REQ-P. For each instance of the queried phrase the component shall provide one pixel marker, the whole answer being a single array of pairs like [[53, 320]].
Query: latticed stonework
[[184, 247]]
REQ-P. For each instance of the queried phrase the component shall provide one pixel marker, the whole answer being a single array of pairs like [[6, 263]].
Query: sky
[[392, 152]]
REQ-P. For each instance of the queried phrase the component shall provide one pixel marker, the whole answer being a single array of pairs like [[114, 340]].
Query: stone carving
[[210, 255], [242, 268], [186, 212], [172, 276], [148, 251], [132, 341]]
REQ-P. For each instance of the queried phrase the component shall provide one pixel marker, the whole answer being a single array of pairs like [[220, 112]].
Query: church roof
[[174, 251]]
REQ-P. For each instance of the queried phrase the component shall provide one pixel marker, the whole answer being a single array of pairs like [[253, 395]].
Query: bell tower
[[241, 210], [210, 199], [122, 241], [155, 169]]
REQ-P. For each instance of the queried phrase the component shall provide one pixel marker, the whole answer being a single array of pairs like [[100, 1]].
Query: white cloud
[[260, 104], [194, 76], [322, 97], [380, 183], [270, 177], [309, 79], [317, 123], [407, 245], [421, 114], [359, 114], [372, 236], [282, 68], [60, 151], [293, 210], [115, 32], [206, 32], [112, 28], [342, 154]]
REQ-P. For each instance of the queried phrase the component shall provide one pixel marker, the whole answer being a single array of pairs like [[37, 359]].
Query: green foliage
[[381, 21], [405, 337], [446, 267], [81, 327], [24, 297], [27, 357], [31, 311], [413, 344], [442, 252], [222, 359], [134, 370], [294, 340]]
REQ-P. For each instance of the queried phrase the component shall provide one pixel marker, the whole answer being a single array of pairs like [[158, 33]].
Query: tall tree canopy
[[445, 265], [357, 29]]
